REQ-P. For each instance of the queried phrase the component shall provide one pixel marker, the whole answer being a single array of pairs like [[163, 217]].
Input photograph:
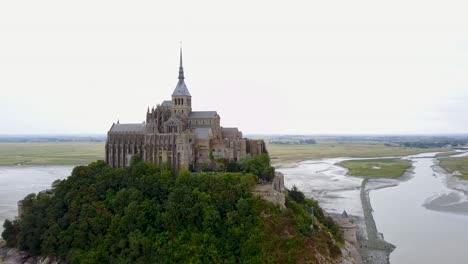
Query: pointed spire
[[148, 110], [118, 122], [181, 68]]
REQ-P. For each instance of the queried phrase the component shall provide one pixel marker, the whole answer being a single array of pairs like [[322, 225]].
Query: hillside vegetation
[[142, 214]]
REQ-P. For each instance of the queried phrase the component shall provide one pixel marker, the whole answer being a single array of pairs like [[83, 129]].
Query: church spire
[[181, 88], [181, 68]]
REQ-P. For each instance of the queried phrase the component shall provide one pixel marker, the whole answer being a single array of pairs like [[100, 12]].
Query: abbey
[[178, 136]]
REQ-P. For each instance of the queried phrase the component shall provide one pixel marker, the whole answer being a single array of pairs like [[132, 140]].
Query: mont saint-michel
[[175, 134]]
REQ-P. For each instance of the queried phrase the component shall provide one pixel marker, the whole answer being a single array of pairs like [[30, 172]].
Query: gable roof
[[167, 103], [203, 114], [203, 132], [140, 127]]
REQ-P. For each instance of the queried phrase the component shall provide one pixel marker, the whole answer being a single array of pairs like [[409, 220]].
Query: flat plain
[[455, 164], [51, 153], [390, 168], [73, 153], [283, 154]]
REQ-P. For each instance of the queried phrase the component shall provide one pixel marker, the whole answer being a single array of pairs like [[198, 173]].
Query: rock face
[[14, 256], [273, 192]]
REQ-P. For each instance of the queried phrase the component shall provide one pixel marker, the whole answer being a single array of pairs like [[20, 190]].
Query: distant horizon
[[312, 67], [247, 134]]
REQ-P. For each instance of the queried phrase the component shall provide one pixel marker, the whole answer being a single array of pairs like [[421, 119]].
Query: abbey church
[[178, 136]]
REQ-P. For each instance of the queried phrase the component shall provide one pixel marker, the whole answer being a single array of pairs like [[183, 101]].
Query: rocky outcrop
[[15, 256], [274, 191]]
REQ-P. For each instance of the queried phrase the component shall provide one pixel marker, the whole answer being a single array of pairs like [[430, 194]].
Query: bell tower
[[181, 98]]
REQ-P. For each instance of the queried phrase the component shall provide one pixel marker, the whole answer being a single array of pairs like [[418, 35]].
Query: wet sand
[[328, 183]]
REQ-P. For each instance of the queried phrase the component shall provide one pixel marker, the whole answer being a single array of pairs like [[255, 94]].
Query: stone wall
[[274, 191]]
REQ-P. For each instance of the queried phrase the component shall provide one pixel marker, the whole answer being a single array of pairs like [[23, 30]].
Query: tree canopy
[[142, 214]]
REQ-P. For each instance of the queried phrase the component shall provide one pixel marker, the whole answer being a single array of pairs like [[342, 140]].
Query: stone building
[[178, 136]]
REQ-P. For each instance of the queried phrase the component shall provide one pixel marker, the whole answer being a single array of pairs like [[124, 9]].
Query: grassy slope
[[51, 153], [332, 149], [453, 164], [388, 167]]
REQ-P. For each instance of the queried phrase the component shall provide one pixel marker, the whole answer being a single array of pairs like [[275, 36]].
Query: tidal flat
[[423, 213]]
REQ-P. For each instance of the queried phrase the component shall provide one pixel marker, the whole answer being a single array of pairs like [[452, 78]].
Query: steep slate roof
[[230, 129], [167, 103], [203, 114], [128, 127], [181, 89], [203, 132]]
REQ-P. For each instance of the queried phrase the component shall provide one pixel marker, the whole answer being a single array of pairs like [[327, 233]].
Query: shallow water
[[422, 217], [18, 181], [423, 235], [327, 183]]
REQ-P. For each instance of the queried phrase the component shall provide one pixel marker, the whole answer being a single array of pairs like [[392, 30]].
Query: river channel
[[425, 214]]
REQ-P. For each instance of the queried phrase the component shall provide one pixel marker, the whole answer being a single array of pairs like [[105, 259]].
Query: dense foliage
[[142, 214], [258, 165]]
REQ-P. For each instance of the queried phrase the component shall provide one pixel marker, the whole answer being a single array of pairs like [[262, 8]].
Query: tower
[[181, 98]]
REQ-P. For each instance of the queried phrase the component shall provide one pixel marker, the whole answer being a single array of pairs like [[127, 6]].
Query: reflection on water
[[18, 181]]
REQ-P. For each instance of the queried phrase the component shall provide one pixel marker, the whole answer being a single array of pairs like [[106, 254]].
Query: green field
[[453, 164], [391, 168], [51, 153], [55, 153], [281, 154]]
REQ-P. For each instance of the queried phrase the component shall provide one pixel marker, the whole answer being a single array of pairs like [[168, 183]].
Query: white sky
[[293, 67]]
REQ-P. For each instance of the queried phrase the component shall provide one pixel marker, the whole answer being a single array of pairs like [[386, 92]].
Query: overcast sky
[[309, 67]]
